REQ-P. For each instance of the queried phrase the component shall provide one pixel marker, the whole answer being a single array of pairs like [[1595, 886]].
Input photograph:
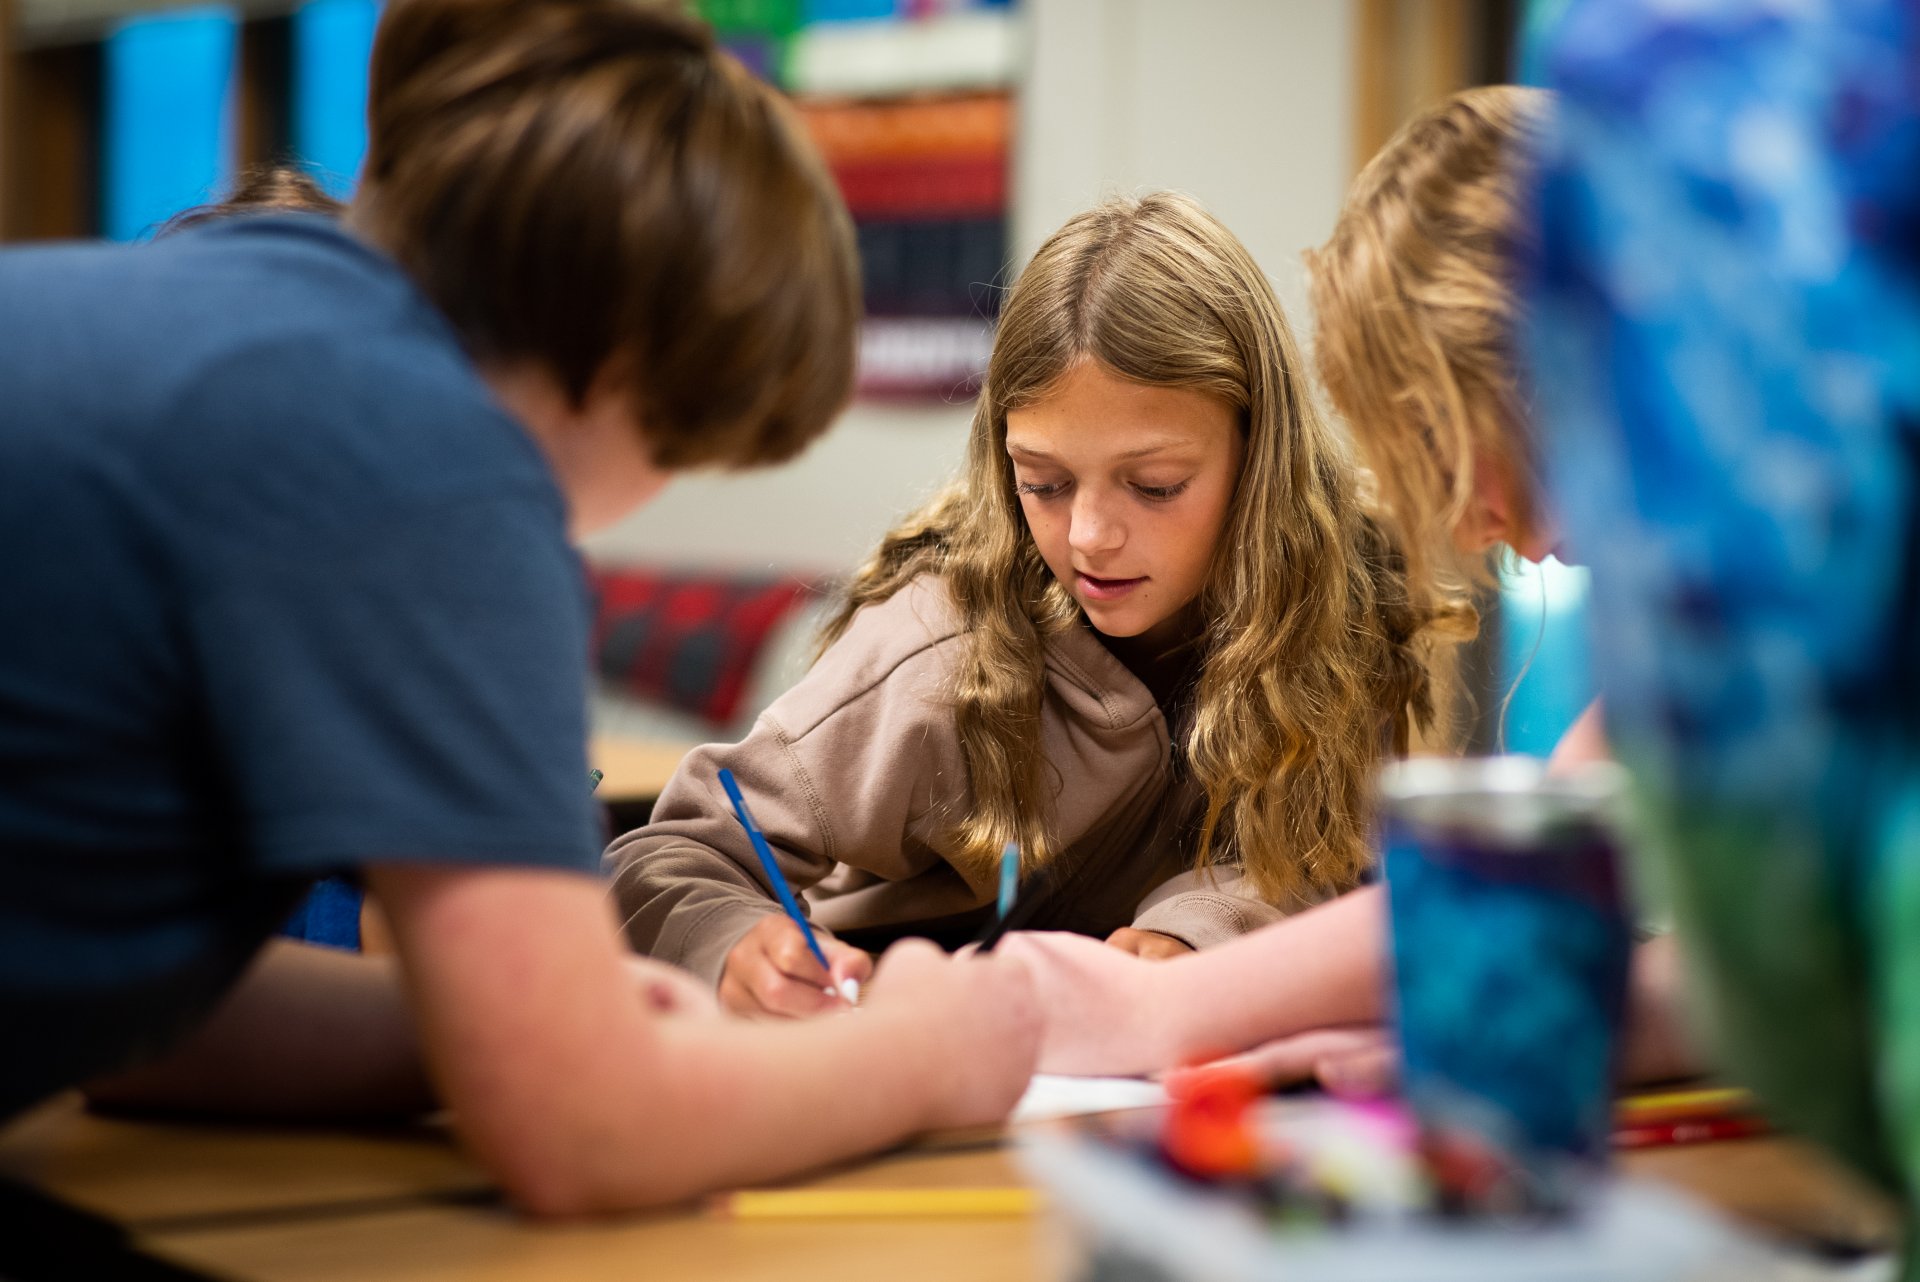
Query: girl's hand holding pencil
[[773, 967], [772, 971]]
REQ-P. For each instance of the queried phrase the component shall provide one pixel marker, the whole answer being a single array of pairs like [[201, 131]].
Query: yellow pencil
[[1715, 1101], [891, 1204]]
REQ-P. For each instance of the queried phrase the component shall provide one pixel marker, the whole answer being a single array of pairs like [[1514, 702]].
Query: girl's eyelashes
[[1052, 489]]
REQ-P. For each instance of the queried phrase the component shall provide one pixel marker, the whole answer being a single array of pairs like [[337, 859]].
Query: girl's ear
[[1493, 513], [1489, 518]]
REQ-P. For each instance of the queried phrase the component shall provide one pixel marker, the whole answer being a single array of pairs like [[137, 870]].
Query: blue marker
[[849, 988], [1009, 876]]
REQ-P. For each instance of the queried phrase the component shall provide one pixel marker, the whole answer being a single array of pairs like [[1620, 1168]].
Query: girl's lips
[[1107, 589]]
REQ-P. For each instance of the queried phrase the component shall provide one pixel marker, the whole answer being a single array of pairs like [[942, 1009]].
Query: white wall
[[1245, 104], [818, 515]]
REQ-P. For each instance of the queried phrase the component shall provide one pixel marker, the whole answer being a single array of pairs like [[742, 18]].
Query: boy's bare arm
[[581, 1099], [584, 1079], [318, 1034]]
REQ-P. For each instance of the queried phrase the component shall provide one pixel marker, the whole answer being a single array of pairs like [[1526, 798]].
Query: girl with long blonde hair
[[1417, 306], [1417, 309], [1150, 631]]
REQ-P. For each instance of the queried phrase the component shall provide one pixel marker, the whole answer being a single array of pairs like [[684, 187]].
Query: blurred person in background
[[1728, 363]]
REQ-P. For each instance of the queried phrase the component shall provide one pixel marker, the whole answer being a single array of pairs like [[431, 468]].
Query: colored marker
[[849, 988], [1663, 1134], [1009, 876], [1704, 1104], [593, 780], [889, 1204]]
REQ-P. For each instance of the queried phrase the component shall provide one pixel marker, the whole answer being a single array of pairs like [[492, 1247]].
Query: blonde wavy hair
[[1415, 306], [1309, 655]]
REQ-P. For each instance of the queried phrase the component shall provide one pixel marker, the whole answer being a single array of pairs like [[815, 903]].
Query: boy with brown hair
[[287, 505]]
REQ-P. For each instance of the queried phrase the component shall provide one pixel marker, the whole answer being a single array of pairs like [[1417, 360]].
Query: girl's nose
[[1095, 530]]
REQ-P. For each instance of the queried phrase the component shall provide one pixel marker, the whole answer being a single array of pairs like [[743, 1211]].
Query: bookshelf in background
[[116, 123], [911, 103]]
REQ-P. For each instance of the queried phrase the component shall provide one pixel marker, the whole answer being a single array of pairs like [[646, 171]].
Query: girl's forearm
[[1109, 1012], [1659, 1044], [1329, 967], [1322, 967]]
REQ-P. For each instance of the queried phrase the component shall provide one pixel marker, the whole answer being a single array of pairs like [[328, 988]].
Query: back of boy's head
[[592, 186], [1416, 305]]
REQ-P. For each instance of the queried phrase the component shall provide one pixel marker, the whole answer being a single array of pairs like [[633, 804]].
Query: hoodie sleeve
[[857, 766], [1203, 908]]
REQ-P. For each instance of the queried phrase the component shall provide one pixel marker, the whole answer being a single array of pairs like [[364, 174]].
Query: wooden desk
[[434, 1243], [146, 1174], [635, 769], [321, 1206], [272, 1204], [1779, 1186]]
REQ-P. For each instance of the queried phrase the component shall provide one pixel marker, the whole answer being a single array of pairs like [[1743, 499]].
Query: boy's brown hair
[[592, 185]]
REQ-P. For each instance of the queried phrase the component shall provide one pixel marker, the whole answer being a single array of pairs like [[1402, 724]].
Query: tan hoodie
[[858, 779]]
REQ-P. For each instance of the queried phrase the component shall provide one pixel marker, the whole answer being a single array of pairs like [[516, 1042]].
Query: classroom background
[[962, 132]]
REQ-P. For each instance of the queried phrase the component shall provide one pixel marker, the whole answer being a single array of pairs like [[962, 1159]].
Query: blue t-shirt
[[284, 592]]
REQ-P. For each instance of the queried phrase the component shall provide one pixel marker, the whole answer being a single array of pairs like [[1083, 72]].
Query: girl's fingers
[[1157, 947], [779, 994], [796, 961], [851, 969], [848, 962], [1360, 1074], [1299, 1057], [1148, 945], [758, 978], [735, 997]]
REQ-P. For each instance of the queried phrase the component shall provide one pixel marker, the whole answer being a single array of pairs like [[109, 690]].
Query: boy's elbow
[[549, 1191], [560, 1184]]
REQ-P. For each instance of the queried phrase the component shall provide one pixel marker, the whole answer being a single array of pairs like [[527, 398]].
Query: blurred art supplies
[[1233, 1186]]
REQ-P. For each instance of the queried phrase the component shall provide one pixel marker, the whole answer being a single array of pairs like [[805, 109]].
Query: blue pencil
[[1009, 876], [1014, 911], [849, 989]]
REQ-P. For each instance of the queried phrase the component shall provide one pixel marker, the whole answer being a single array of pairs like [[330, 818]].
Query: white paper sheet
[[1050, 1096]]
